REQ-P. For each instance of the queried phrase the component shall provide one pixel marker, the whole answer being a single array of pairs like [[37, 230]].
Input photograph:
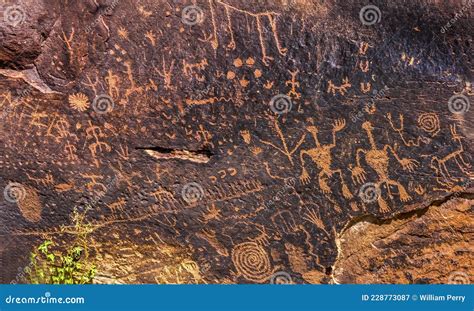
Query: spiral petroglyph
[[252, 262], [429, 122]]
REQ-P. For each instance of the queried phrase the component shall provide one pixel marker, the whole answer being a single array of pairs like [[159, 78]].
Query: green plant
[[48, 266], [51, 264]]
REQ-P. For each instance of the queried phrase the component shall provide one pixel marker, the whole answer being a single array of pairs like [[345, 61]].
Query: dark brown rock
[[231, 141]]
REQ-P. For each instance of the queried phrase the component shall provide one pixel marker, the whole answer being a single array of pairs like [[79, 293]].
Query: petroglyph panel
[[227, 141]]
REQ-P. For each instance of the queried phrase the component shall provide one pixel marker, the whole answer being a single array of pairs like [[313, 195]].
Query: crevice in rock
[[161, 153], [29, 76], [401, 216]]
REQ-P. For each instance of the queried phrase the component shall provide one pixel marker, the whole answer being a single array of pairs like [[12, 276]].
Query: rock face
[[231, 141], [433, 245]]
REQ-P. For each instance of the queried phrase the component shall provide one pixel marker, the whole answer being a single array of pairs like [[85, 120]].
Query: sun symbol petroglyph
[[79, 102]]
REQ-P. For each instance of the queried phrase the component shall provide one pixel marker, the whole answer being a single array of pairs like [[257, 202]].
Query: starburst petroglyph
[[79, 102]]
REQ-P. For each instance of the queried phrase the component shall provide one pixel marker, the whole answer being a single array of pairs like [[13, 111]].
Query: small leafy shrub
[[52, 264], [53, 267]]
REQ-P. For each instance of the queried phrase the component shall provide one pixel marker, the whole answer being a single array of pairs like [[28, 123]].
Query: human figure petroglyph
[[379, 160], [95, 134], [321, 156], [293, 83]]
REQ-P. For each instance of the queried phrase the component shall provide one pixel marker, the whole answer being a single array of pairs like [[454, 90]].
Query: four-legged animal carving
[[439, 164], [321, 156]]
